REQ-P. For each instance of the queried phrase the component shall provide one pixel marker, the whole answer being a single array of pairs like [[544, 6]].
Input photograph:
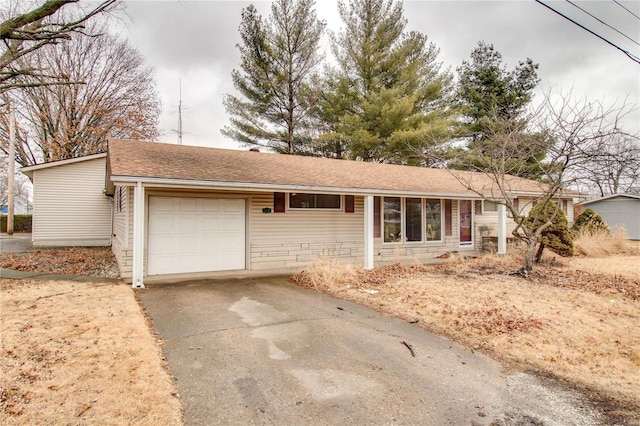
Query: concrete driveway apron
[[263, 351]]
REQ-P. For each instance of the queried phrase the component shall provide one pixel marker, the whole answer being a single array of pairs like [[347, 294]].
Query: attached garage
[[195, 235]]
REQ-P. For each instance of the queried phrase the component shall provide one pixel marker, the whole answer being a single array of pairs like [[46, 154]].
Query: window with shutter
[[278, 202], [349, 204], [478, 207], [376, 217]]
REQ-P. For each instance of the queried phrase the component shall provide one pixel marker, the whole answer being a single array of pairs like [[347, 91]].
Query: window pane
[[313, 201], [392, 220], [490, 206], [301, 201], [326, 201], [433, 210], [413, 219]]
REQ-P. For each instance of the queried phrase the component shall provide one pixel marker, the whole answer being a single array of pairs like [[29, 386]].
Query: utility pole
[[12, 170]]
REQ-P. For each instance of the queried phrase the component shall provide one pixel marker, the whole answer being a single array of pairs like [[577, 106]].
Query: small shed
[[619, 210], [69, 204]]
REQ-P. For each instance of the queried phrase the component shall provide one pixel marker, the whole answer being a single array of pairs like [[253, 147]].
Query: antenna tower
[[180, 114]]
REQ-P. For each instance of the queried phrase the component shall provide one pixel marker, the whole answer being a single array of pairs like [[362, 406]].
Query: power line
[[602, 22], [622, 6], [629, 55]]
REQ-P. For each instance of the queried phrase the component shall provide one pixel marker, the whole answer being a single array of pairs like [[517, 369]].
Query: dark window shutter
[[278, 202], [478, 206], [565, 206], [349, 204], [447, 218], [516, 204], [376, 217]]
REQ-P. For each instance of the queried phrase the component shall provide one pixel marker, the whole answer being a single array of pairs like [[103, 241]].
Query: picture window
[[314, 201]]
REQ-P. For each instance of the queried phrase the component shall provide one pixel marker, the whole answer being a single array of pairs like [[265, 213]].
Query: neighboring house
[[69, 204], [21, 206], [619, 210], [184, 209]]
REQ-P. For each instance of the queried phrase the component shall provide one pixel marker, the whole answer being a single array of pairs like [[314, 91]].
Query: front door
[[466, 222]]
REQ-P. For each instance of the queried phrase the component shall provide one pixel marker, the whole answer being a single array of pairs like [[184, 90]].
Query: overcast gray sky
[[195, 41]]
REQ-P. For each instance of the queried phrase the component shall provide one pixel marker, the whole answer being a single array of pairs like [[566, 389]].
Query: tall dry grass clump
[[599, 242], [327, 272]]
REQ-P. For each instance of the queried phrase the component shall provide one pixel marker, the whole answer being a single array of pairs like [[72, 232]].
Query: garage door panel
[[162, 204], [187, 243], [188, 204], [211, 205], [160, 263], [162, 222], [230, 242], [188, 223], [195, 235], [233, 222], [233, 206], [164, 244], [211, 223], [228, 264], [210, 245]]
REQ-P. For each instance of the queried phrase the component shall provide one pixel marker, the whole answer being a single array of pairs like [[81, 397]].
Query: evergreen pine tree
[[278, 59], [386, 100]]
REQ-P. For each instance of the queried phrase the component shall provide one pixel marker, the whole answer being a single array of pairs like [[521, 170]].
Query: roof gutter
[[267, 187]]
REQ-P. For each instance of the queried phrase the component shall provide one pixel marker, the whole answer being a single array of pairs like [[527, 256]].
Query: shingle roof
[[181, 163]]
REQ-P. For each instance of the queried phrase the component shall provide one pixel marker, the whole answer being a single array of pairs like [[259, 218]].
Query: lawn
[[575, 320], [80, 353]]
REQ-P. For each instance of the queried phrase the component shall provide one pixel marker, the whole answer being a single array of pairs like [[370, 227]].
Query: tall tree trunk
[[529, 256]]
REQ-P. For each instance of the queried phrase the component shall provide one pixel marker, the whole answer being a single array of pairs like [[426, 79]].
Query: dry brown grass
[[78, 353], [329, 270], [601, 243], [95, 261], [586, 335], [621, 266]]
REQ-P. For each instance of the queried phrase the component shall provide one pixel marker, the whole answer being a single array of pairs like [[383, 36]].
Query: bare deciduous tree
[[25, 32], [117, 98], [569, 131], [21, 182], [613, 167]]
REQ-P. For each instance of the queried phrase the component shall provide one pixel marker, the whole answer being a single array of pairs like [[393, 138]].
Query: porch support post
[[138, 236], [502, 229], [368, 232]]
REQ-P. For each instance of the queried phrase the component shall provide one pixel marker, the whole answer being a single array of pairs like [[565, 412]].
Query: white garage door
[[195, 235]]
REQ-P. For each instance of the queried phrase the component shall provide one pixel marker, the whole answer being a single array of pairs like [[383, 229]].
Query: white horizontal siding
[[304, 225], [296, 237], [121, 243], [69, 206]]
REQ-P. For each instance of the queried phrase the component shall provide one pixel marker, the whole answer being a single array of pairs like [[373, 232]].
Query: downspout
[[111, 203]]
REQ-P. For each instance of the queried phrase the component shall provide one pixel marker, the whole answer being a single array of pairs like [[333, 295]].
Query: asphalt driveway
[[16, 243], [264, 351]]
